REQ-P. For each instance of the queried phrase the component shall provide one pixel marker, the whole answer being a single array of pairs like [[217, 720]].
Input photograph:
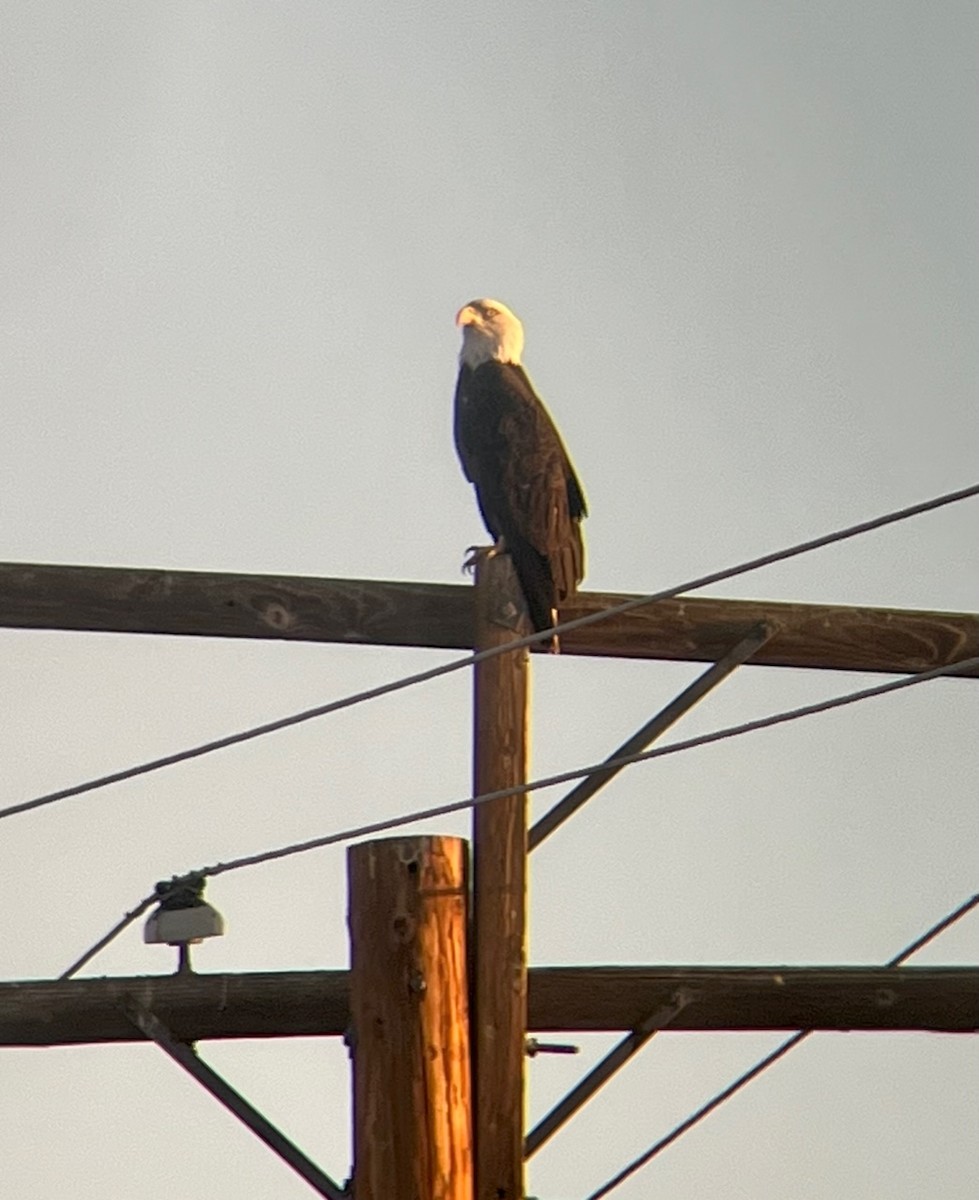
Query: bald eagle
[[527, 490]]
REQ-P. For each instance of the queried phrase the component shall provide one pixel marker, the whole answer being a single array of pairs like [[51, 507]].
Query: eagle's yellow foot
[[475, 553], [554, 645]]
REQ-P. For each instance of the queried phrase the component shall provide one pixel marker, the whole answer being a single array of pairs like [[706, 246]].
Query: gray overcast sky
[[742, 239]]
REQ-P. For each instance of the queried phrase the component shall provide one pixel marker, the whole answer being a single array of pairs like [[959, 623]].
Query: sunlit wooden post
[[499, 988], [409, 1028]]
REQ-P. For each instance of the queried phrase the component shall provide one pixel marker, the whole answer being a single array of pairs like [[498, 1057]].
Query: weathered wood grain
[[499, 989], [409, 1029], [568, 999], [441, 616]]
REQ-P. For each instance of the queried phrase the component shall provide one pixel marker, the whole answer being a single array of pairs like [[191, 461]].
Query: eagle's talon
[[475, 553]]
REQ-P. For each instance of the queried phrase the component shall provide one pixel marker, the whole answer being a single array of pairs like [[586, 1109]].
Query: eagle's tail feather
[[537, 584]]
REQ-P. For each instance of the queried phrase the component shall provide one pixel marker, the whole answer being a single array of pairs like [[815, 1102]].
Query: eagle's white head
[[489, 331]]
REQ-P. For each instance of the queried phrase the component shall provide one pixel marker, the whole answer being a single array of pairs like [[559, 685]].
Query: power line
[[455, 806], [703, 739], [407, 681], [779, 1052], [123, 923]]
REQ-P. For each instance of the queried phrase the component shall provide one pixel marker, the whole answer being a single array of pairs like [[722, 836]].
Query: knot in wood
[[276, 615], [403, 928]]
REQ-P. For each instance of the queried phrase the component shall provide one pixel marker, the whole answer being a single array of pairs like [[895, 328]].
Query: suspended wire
[[704, 739], [779, 1052], [111, 936], [454, 806], [407, 681]]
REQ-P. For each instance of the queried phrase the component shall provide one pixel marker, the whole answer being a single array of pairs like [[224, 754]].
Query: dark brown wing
[[527, 489]]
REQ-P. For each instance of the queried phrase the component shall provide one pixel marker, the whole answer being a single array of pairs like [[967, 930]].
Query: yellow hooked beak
[[467, 315]]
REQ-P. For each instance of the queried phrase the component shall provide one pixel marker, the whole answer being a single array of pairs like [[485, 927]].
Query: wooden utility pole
[[438, 1058], [499, 992], [409, 1028]]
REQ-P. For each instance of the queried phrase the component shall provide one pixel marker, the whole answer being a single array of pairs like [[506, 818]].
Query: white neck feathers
[[476, 351]]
